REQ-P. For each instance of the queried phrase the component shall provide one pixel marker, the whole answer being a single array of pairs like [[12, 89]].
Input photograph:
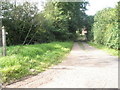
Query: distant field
[[31, 59]]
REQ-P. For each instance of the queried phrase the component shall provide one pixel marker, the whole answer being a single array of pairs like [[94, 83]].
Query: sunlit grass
[[106, 49], [31, 59]]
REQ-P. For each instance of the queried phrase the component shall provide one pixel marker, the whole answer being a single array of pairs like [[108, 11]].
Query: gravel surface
[[82, 68]]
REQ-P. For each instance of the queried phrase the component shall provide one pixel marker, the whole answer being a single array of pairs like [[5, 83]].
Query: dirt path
[[83, 68]]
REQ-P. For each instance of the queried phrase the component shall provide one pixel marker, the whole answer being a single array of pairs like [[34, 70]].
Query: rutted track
[[83, 68]]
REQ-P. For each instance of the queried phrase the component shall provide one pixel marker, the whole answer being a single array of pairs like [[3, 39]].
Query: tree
[[59, 21], [67, 17], [106, 29], [88, 23], [19, 21]]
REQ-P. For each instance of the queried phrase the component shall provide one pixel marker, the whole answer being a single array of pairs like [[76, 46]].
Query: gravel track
[[82, 68]]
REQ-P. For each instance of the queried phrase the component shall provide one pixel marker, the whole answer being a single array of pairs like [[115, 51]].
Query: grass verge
[[106, 49], [31, 59]]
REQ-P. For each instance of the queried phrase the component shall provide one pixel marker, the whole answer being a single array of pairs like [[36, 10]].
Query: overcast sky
[[95, 5]]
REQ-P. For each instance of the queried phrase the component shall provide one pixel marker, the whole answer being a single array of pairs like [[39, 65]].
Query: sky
[[95, 5]]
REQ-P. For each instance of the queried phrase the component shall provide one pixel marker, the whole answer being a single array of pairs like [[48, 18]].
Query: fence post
[[4, 41]]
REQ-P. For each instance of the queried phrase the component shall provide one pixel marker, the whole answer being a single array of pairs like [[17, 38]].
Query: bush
[[105, 28]]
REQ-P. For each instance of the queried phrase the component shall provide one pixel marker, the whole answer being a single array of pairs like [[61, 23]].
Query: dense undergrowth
[[31, 59], [105, 28]]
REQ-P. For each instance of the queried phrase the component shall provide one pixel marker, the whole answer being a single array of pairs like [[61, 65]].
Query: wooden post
[[4, 41]]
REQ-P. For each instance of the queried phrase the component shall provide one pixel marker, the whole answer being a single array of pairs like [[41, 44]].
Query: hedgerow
[[105, 28]]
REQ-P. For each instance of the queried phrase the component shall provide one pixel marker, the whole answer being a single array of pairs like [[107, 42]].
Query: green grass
[[106, 49], [31, 59]]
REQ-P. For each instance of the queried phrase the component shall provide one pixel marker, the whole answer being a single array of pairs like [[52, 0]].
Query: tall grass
[[31, 59]]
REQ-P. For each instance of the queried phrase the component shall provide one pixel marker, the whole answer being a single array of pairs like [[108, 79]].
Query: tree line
[[59, 21]]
